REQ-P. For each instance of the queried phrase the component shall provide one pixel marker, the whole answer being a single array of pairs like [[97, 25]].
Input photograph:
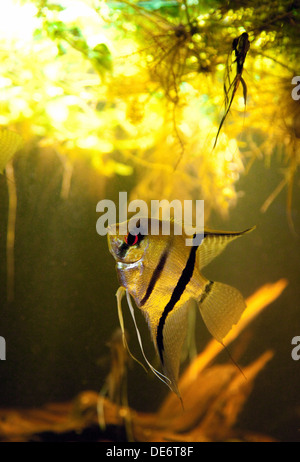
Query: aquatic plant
[[137, 88]]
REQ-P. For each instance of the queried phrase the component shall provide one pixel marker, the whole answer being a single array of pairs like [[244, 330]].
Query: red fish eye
[[131, 239]]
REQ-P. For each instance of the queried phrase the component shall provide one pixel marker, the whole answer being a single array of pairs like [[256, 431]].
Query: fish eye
[[131, 239]]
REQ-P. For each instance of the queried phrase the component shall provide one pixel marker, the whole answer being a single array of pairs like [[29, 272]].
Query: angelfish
[[239, 49], [163, 275]]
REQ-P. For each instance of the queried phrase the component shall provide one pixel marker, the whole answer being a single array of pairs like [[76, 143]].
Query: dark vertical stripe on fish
[[206, 291], [156, 274], [177, 292]]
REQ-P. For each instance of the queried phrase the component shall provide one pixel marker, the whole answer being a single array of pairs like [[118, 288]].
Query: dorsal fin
[[214, 242]]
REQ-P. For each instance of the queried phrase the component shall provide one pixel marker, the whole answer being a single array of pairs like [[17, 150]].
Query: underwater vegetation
[[164, 99], [136, 88]]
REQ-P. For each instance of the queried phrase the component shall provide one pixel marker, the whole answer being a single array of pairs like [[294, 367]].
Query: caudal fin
[[221, 306]]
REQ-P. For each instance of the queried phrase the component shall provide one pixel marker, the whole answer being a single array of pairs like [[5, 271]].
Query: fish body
[[163, 275], [240, 46]]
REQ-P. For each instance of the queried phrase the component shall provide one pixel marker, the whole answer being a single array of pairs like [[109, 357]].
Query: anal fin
[[174, 333]]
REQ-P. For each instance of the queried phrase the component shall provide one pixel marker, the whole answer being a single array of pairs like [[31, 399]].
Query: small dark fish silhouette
[[239, 50]]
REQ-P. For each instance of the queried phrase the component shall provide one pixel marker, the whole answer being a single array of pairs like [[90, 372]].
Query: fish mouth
[[113, 245]]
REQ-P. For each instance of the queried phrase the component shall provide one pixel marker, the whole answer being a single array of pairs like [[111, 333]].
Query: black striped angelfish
[[163, 275], [239, 49]]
